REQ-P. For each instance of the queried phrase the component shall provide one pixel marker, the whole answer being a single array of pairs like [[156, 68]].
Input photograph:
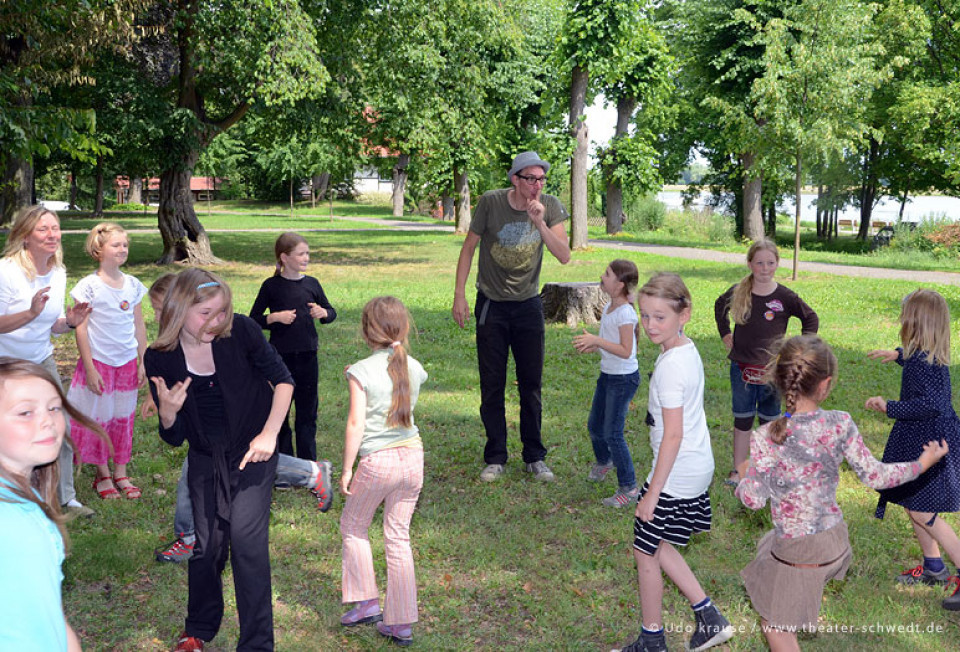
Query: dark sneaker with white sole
[[953, 602], [647, 643], [921, 575], [712, 629], [540, 471]]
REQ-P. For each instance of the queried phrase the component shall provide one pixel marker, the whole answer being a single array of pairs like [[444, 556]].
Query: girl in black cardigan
[[221, 387]]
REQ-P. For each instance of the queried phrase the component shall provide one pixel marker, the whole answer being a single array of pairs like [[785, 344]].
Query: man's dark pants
[[504, 327]]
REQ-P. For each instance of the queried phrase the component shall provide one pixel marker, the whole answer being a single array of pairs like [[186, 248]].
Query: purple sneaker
[[362, 613], [399, 634]]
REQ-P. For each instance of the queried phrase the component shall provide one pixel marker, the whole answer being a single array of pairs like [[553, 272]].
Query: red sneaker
[[322, 488], [188, 644], [175, 552]]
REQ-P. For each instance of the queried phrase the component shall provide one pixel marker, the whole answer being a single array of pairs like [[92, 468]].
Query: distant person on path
[[33, 284], [924, 412], [511, 226], [761, 309]]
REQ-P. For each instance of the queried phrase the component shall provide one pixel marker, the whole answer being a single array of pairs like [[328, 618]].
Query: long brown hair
[[192, 286], [385, 323], [798, 367], [925, 326], [43, 479], [627, 273], [16, 245], [742, 300], [286, 243]]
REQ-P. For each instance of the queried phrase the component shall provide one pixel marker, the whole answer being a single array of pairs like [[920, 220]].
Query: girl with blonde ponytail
[[380, 430], [795, 464], [761, 309]]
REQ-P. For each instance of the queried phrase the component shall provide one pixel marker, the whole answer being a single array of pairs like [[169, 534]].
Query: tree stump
[[573, 303]]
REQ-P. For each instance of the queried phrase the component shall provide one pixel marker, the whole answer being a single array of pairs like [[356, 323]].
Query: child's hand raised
[[883, 355], [876, 403], [170, 399], [933, 452], [585, 343]]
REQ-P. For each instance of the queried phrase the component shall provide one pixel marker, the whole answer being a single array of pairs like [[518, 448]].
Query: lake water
[[917, 209]]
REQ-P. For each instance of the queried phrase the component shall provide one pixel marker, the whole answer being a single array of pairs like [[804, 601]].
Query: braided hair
[[796, 370]]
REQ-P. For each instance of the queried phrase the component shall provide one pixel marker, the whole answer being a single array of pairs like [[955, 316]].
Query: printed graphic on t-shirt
[[773, 307], [516, 246]]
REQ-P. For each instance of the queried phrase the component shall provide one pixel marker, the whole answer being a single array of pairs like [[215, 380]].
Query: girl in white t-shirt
[[674, 502], [110, 368], [618, 381], [383, 394]]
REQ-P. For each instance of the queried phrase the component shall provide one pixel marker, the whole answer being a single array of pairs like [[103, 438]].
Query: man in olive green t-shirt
[[511, 226]]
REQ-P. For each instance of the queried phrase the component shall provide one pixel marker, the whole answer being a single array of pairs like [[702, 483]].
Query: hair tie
[[394, 345], [787, 415]]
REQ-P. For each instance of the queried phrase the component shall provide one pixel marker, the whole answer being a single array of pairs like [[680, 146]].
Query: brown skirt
[[789, 596]]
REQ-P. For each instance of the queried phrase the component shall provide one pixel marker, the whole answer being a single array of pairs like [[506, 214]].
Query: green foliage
[[645, 213]]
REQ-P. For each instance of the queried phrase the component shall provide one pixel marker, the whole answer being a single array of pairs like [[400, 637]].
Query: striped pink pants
[[394, 477]]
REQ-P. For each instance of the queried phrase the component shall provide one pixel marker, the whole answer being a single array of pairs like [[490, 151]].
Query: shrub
[[644, 214], [936, 235]]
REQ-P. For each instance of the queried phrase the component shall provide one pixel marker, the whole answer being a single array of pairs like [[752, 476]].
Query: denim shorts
[[752, 400]]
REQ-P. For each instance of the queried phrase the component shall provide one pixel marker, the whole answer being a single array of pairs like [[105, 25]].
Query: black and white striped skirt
[[674, 520]]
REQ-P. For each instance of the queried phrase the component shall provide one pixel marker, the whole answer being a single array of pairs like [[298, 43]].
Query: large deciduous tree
[[224, 57]]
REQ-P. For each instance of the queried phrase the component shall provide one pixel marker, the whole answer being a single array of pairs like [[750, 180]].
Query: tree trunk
[[796, 227], [752, 198], [625, 108], [772, 220], [447, 202], [184, 239], [98, 193], [462, 191], [290, 188], [320, 185], [573, 303], [868, 189], [136, 190], [903, 204], [74, 190], [578, 164], [821, 213], [399, 184], [16, 188]]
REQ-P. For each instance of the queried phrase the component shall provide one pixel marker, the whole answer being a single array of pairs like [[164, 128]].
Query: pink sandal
[[131, 491]]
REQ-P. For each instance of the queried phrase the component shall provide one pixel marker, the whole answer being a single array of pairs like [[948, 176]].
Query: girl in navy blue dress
[[924, 412]]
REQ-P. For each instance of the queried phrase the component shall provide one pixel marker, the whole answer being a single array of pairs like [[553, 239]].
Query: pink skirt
[[114, 410]]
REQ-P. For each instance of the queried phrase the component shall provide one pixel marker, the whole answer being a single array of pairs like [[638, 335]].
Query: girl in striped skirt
[[380, 430], [110, 368], [674, 502]]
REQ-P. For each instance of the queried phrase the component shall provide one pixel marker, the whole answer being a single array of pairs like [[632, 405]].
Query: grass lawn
[[515, 564]]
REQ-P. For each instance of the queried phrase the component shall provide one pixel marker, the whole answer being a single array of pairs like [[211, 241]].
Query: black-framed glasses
[[531, 179]]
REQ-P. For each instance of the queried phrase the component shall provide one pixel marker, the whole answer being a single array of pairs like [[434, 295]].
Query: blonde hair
[[286, 243], [192, 286], [385, 323], [925, 326], [627, 273], [742, 300], [16, 245], [43, 480], [670, 288], [99, 236], [798, 367]]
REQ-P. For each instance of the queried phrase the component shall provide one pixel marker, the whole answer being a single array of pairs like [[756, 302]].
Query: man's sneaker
[[540, 471], [491, 472], [712, 629], [952, 603], [175, 552], [921, 575], [623, 497], [75, 508], [322, 488], [598, 472], [646, 643]]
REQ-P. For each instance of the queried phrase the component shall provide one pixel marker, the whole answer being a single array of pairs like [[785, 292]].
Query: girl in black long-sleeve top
[[221, 387], [295, 301]]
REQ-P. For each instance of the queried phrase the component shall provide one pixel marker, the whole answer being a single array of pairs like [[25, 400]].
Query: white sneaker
[[541, 471], [491, 472]]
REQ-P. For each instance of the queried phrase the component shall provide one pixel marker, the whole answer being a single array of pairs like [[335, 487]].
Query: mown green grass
[[516, 564]]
